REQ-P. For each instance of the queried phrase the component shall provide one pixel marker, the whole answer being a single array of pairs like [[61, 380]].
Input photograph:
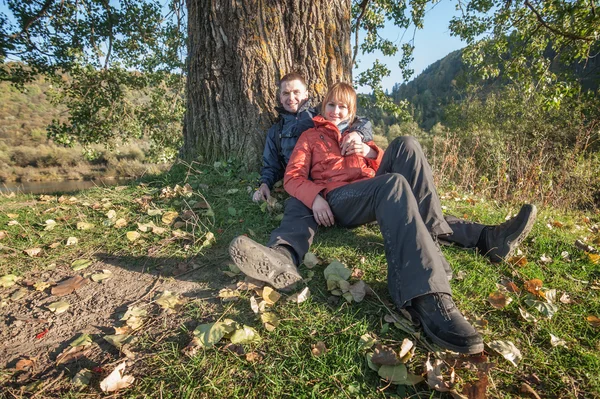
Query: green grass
[[287, 368]]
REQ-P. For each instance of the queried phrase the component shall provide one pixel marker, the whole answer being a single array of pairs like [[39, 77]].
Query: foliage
[[96, 53]]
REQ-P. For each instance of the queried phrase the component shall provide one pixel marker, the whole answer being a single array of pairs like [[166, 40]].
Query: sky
[[432, 43]]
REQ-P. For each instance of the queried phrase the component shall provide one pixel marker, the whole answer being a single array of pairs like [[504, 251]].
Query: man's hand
[[262, 194], [352, 144], [322, 212]]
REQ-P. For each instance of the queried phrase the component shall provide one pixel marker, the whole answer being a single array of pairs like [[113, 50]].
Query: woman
[[346, 190]]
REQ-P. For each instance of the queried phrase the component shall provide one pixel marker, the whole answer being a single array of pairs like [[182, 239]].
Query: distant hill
[[443, 81]]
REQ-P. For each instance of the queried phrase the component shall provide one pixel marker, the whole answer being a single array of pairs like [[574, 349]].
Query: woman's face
[[336, 111]]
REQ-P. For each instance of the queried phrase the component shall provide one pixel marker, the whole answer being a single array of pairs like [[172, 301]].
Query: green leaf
[[372, 366], [97, 277], [311, 260], [231, 211], [82, 340], [81, 264], [82, 378], [8, 280], [211, 333], [58, 307], [394, 374], [245, 335], [118, 340], [337, 270], [545, 308]]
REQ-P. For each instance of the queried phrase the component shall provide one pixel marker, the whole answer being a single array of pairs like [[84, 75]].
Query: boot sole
[[470, 350], [517, 237], [252, 259]]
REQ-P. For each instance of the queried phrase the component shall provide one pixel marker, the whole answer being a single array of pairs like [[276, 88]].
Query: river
[[63, 186]]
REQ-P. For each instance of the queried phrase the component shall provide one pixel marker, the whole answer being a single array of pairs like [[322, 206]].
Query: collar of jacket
[[330, 127], [303, 107]]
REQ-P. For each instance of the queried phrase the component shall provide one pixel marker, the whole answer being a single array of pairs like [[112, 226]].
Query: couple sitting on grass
[[335, 174]]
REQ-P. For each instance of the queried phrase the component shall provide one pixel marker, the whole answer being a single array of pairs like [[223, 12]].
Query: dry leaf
[[105, 274], [435, 379], [120, 223], [526, 388], [527, 316], [168, 300], [534, 286], [81, 264], [117, 380], [318, 349], [228, 295], [72, 241], [517, 261], [58, 307], [270, 295], [311, 260], [555, 341], [545, 259], [384, 355], [73, 353], [67, 286], [3, 234], [594, 321], [33, 251], [270, 321], [9, 280], [41, 286], [300, 297], [511, 287], [25, 364], [133, 235], [358, 291], [565, 298], [84, 226], [254, 357], [169, 217], [358, 273], [405, 348], [499, 300], [594, 258], [508, 350]]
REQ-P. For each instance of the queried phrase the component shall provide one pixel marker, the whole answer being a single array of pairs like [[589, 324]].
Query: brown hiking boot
[[272, 265], [499, 242]]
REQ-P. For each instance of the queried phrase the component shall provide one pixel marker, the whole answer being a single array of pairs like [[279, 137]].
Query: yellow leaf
[[594, 258], [168, 217], [120, 223], [133, 235], [270, 295], [594, 321], [84, 226]]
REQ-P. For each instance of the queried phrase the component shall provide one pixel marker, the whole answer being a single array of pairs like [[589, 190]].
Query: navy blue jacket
[[286, 131]]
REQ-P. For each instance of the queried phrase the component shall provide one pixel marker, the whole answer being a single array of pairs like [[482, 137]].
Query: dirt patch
[[28, 329]]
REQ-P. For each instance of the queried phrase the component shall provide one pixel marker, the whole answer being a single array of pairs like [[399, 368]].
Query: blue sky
[[432, 43]]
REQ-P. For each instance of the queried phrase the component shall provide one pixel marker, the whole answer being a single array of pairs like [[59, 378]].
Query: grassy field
[[176, 268]]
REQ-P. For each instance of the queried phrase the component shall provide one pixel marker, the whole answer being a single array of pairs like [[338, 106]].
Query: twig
[[555, 30], [49, 384], [147, 293]]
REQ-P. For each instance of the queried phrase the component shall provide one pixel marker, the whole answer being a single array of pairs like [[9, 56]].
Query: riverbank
[[154, 276]]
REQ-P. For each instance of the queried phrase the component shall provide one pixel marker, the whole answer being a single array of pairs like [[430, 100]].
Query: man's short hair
[[292, 76]]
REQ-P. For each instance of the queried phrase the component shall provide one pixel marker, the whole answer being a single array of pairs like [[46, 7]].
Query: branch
[[110, 37], [555, 30], [37, 16], [363, 6]]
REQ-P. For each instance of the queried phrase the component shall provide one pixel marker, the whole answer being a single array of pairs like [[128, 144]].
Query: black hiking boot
[[272, 265], [499, 242], [444, 323]]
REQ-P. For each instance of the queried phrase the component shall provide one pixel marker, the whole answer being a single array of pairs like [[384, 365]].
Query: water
[[63, 186]]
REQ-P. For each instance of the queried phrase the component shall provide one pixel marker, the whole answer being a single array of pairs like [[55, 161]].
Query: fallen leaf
[[54, 245], [270, 320], [229, 295], [120, 223], [3, 234], [311, 260], [594, 258], [477, 389], [499, 300], [384, 355], [211, 333], [81, 264], [42, 334], [8, 280], [526, 388], [111, 214], [154, 212], [300, 297], [33, 251], [232, 190], [245, 335], [318, 349], [41, 286], [73, 353], [565, 298], [511, 287], [117, 379], [508, 350], [133, 235], [209, 239], [67, 286], [58, 307], [405, 348], [270, 295], [254, 304], [358, 291], [50, 224], [435, 379], [517, 261], [545, 308], [555, 341], [534, 286], [84, 226], [168, 300], [25, 364], [594, 321], [366, 341], [358, 273], [254, 357], [527, 316], [550, 295], [169, 217], [337, 270], [98, 277], [394, 374], [72, 241], [118, 340], [82, 378], [82, 340], [545, 259], [18, 294]]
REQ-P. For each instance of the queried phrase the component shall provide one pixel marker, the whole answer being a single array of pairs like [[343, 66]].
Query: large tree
[[237, 52]]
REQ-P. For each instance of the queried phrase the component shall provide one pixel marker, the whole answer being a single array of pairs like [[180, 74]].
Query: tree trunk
[[237, 52]]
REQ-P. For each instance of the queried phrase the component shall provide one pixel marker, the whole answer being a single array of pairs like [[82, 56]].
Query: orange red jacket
[[318, 166]]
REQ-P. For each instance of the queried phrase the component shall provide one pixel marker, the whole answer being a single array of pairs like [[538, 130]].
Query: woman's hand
[[352, 144], [322, 212]]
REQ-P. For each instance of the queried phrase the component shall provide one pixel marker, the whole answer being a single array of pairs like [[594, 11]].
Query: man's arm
[[363, 127], [272, 170]]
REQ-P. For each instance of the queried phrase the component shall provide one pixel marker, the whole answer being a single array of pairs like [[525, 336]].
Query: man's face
[[291, 94]]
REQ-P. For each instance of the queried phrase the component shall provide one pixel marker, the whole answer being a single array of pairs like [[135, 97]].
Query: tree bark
[[237, 52]]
